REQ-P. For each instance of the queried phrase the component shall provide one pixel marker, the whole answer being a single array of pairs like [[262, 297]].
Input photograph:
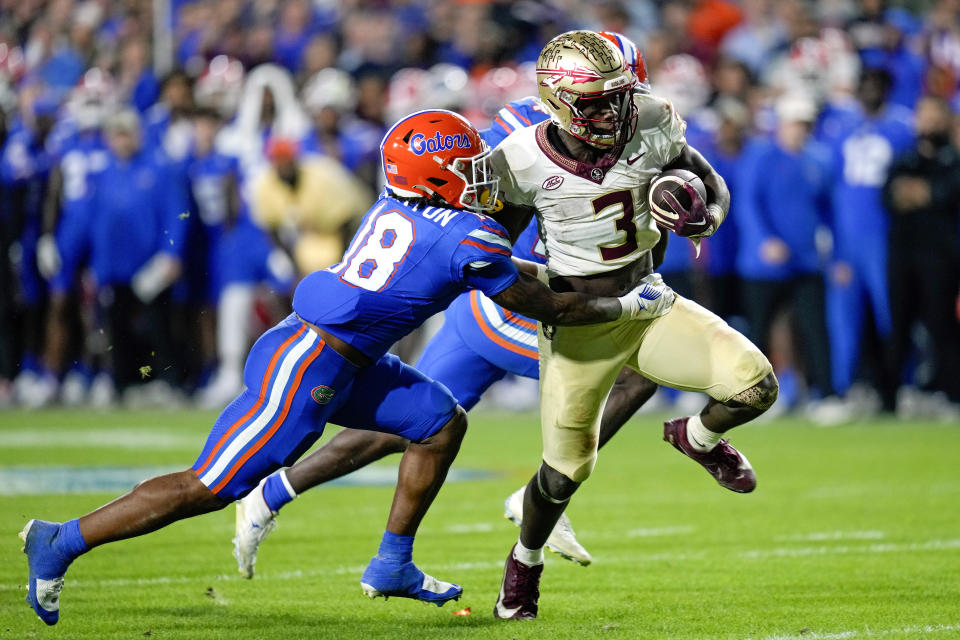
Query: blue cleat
[[47, 567], [404, 580]]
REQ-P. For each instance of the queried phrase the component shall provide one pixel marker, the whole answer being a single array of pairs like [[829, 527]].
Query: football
[[672, 181]]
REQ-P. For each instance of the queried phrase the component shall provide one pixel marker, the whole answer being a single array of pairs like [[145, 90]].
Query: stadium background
[[224, 99], [852, 532]]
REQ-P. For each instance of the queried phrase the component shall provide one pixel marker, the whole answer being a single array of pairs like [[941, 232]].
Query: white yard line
[[655, 532], [130, 438], [866, 633], [821, 536]]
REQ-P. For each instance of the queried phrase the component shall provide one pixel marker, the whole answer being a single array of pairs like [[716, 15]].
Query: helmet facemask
[[481, 188], [609, 132]]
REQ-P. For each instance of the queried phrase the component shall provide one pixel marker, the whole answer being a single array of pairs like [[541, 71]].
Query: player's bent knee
[[452, 430], [760, 396], [553, 485]]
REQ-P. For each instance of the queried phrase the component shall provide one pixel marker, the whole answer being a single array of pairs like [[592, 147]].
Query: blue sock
[[396, 548], [69, 542], [277, 492]]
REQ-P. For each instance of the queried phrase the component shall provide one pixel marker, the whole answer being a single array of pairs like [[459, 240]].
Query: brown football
[[672, 181]]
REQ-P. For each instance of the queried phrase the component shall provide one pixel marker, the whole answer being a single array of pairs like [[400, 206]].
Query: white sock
[[699, 437], [529, 557]]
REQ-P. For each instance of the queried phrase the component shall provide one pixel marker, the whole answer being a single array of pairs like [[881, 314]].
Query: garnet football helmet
[[439, 153], [581, 66]]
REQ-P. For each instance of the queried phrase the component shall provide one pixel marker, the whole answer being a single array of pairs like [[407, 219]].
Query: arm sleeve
[[483, 259]]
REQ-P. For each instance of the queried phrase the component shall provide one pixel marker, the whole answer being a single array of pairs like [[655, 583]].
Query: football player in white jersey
[[586, 172]]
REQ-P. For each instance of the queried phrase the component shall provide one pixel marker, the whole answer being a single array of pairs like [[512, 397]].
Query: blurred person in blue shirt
[[166, 125], [858, 276], [137, 237], [724, 150], [25, 165], [783, 185], [882, 36], [228, 255], [64, 247]]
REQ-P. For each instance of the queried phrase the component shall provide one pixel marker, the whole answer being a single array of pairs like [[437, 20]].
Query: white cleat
[[255, 521], [562, 540]]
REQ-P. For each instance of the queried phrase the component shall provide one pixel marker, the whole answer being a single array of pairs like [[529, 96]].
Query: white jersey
[[593, 218]]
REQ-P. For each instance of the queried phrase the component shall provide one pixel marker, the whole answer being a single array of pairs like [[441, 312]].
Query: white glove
[[155, 276], [48, 256], [652, 298]]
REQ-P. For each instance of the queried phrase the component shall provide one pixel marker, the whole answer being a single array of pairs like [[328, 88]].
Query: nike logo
[[502, 611], [697, 442], [698, 223], [633, 159]]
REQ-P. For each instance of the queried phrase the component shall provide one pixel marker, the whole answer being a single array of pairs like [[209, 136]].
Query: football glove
[[697, 220], [652, 298]]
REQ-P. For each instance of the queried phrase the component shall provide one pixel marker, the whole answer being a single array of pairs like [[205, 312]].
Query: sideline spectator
[[783, 186], [923, 194], [309, 205], [858, 276]]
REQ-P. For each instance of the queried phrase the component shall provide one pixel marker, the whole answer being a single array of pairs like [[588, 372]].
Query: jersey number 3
[[623, 222], [371, 264]]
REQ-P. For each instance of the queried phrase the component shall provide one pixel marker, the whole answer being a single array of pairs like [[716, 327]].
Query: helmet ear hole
[[438, 182]]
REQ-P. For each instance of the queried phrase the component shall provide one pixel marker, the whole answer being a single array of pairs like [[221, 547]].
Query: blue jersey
[[864, 156], [506, 339], [514, 115], [83, 155], [132, 217], [209, 178], [405, 264], [781, 195], [25, 165]]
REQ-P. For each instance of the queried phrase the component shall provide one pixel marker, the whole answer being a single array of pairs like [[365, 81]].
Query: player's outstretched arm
[[532, 298], [718, 195]]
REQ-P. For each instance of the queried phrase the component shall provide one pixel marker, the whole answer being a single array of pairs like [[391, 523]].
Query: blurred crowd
[[170, 169]]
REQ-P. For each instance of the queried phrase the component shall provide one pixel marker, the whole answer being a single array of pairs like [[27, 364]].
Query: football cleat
[[254, 523], [727, 465], [404, 580], [47, 568], [562, 540], [519, 591]]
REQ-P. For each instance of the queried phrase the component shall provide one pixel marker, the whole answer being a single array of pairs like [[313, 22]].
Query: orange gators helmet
[[631, 57], [439, 153]]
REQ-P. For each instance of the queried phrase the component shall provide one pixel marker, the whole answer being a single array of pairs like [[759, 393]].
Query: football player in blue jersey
[[25, 165], [425, 242], [64, 247], [477, 336], [861, 226]]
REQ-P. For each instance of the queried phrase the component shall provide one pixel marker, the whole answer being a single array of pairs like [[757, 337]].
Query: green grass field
[[853, 532]]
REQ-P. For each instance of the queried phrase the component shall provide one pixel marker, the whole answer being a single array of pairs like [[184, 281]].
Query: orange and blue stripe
[[253, 431]]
